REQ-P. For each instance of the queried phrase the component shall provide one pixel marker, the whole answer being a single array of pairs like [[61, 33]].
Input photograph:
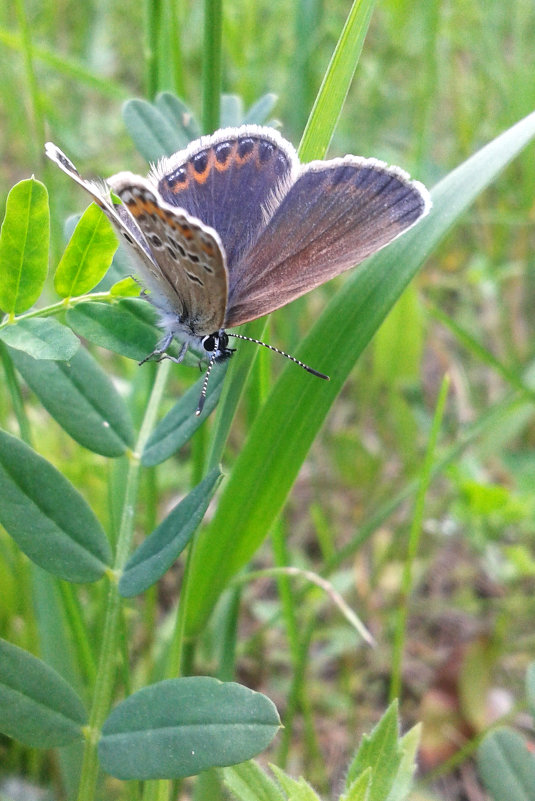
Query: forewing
[[127, 230], [335, 215], [227, 179], [189, 255]]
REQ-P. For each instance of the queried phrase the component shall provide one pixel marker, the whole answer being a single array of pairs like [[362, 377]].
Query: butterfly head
[[217, 344]]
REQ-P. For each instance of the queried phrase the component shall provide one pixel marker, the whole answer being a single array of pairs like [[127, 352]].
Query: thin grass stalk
[[176, 50], [400, 629], [153, 19], [37, 122], [211, 74], [428, 86], [12, 384], [73, 612]]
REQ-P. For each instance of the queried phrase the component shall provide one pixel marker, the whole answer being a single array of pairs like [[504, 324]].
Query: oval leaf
[[180, 727], [37, 706], [179, 115], [47, 517], [24, 246], [260, 110], [153, 135], [41, 338], [158, 552], [507, 766], [179, 425], [82, 399], [126, 327], [88, 255]]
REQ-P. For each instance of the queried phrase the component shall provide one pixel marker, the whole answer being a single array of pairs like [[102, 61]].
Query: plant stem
[[211, 78], [105, 680], [37, 121], [414, 539]]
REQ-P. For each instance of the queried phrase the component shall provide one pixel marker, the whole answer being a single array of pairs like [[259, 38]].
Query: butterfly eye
[[210, 343]]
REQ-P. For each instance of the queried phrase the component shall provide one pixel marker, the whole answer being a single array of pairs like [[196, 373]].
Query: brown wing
[[189, 256], [335, 215]]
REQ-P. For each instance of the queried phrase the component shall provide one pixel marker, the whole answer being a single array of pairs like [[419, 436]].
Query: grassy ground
[[434, 83]]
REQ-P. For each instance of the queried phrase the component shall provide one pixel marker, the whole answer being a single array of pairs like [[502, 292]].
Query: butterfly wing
[[227, 179], [335, 215], [190, 257], [177, 295]]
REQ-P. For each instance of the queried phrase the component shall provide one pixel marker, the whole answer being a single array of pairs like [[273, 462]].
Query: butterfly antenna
[[282, 353], [202, 398]]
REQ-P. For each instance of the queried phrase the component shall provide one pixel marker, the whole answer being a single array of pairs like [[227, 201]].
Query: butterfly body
[[233, 227]]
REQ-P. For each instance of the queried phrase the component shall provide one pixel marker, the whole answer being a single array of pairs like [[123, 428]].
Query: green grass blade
[[297, 406], [336, 82], [211, 77]]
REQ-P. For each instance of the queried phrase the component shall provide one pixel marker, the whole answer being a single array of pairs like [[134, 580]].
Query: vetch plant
[[171, 727]]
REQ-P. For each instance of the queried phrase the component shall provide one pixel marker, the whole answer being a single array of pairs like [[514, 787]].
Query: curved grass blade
[[37, 706], [47, 517], [181, 727], [296, 408]]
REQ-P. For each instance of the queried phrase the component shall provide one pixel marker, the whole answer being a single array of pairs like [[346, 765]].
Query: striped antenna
[[282, 353]]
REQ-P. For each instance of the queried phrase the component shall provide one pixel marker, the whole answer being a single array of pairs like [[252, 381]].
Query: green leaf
[[231, 112], [47, 517], [530, 687], [180, 116], [24, 246], [180, 727], [403, 782], [298, 404], [295, 789], [82, 399], [359, 790], [248, 782], [37, 706], [260, 111], [161, 548], [381, 751], [179, 425], [41, 338], [126, 287], [151, 131], [125, 327], [507, 766], [333, 91], [88, 255]]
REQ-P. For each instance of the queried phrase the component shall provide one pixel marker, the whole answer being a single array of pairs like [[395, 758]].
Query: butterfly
[[233, 227]]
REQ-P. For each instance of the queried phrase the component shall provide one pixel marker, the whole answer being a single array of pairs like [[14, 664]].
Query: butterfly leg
[[160, 353]]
